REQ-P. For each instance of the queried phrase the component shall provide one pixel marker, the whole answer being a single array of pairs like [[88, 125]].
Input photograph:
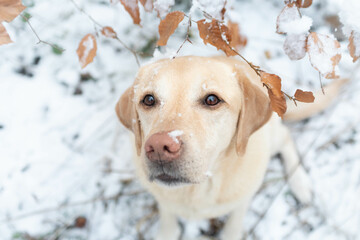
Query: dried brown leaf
[[4, 36], [238, 41], [303, 3], [354, 45], [108, 32], [87, 50], [168, 26], [304, 96], [10, 9], [132, 7], [148, 5], [324, 53], [216, 34], [288, 13], [277, 98]]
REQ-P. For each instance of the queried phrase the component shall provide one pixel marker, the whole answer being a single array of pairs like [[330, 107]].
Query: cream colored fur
[[225, 165]]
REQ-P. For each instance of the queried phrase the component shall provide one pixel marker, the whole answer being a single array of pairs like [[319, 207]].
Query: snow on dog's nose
[[164, 146]]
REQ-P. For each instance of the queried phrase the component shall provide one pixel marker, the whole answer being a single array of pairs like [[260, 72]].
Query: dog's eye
[[149, 100], [212, 100]]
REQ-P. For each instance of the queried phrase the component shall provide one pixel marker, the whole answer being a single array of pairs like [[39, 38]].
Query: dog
[[204, 132]]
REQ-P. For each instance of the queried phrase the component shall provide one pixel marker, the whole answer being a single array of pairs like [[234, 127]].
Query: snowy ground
[[63, 153]]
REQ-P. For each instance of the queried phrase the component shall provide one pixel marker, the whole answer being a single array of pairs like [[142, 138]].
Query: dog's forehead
[[187, 74]]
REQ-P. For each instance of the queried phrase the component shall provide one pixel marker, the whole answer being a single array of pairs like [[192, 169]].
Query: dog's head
[[187, 113]]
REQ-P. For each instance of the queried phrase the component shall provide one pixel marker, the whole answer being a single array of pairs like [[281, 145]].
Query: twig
[[321, 84], [255, 68], [89, 201], [290, 97], [262, 215], [186, 38], [88, 15], [144, 219], [26, 19], [338, 135], [97, 24]]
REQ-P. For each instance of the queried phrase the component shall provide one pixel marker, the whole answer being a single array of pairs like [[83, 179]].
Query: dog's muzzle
[[163, 152]]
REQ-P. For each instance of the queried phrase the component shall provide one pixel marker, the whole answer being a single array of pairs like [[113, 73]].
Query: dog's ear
[[254, 113], [128, 116]]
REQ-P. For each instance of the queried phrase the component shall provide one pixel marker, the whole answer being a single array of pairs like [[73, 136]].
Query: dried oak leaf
[[4, 36], [238, 41], [303, 3], [87, 50], [324, 53], [168, 26], [132, 7], [304, 96], [295, 46], [108, 32], [288, 14], [148, 5], [277, 98], [354, 45], [216, 34], [10, 9]]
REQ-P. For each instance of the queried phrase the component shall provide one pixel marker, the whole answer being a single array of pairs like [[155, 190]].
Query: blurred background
[[65, 161]]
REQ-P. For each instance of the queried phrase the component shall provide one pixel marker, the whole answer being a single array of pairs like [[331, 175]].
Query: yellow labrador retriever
[[204, 133]]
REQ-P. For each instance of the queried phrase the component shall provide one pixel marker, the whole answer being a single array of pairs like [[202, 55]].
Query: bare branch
[[52, 209], [97, 24], [186, 38], [26, 19]]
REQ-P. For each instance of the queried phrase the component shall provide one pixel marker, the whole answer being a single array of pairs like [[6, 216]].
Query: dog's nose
[[161, 146]]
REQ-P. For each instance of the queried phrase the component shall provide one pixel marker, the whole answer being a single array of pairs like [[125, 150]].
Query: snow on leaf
[[168, 26], [108, 32], [216, 34], [148, 5], [277, 98], [288, 14], [304, 96], [295, 46], [87, 50], [4, 36], [324, 53], [213, 8], [238, 41], [163, 7], [10, 9], [303, 3], [132, 7], [289, 21], [354, 45]]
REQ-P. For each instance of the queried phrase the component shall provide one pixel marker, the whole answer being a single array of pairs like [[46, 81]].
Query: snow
[[295, 46], [209, 174], [64, 155], [211, 7], [297, 26], [322, 49], [349, 15], [356, 40], [174, 134], [148, 5], [288, 14], [163, 6]]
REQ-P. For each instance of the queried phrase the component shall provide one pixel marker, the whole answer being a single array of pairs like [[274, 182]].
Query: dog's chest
[[208, 200]]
